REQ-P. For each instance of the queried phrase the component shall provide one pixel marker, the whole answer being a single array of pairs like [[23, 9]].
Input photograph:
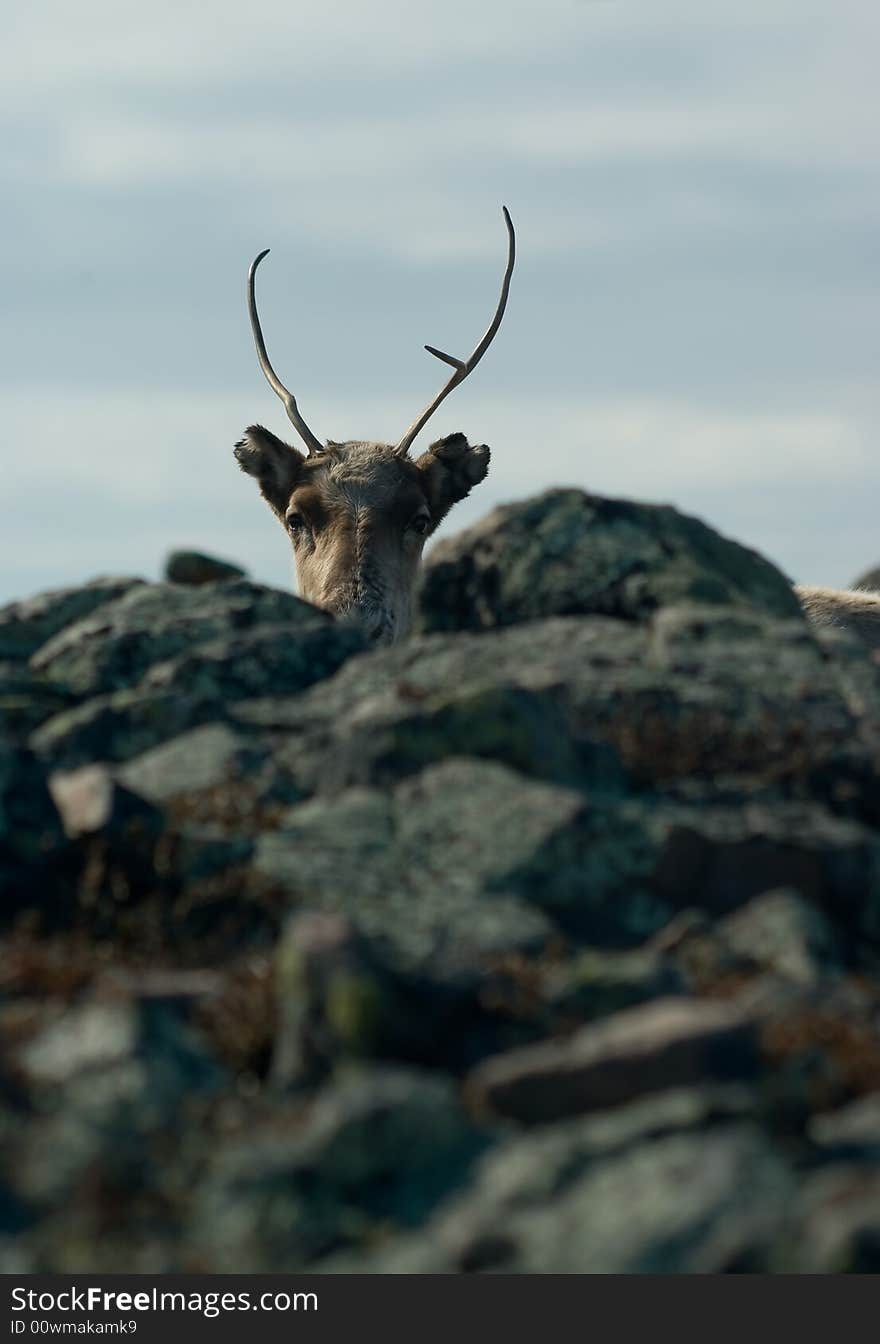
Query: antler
[[465, 366], [314, 445]]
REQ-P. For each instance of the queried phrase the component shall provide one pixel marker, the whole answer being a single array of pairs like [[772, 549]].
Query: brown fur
[[358, 516], [856, 611]]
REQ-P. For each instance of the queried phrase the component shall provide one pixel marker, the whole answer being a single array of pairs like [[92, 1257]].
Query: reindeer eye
[[420, 524]]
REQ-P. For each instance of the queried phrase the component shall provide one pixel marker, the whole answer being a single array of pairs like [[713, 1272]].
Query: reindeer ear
[[273, 462], [450, 469]]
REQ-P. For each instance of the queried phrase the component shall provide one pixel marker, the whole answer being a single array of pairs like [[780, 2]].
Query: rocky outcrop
[[546, 941]]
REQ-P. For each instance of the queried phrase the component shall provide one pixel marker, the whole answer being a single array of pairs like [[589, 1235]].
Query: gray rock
[[837, 1224], [192, 763], [113, 648], [416, 866], [781, 931], [376, 1151], [25, 626], [633, 1196], [667, 1043], [196, 687], [195, 568], [216, 776], [270, 657], [27, 700], [607, 706], [566, 552], [854, 1126], [120, 726], [110, 1074]]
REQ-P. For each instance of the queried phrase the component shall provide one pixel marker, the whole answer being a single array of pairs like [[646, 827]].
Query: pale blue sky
[[694, 317]]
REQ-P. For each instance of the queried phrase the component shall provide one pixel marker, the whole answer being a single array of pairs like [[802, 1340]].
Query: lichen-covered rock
[[196, 687], [717, 696], [113, 648], [310, 925], [376, 1151], [567, 553], [26, 626], [27, 700], [663, 1186]]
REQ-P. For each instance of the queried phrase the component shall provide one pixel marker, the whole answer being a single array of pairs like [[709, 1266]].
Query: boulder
[[568, 553], [26, 626], [195, 568]]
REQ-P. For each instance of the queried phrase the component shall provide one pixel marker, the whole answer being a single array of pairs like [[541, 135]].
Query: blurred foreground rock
[[546, 941]]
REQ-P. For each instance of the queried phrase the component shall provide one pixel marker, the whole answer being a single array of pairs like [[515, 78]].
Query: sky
[[693, 319]]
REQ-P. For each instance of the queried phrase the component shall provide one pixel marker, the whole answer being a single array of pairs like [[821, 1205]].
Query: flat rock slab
[[668, 1043]]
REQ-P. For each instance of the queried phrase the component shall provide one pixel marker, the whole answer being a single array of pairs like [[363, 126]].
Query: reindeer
[[359, 513], [855, 610]]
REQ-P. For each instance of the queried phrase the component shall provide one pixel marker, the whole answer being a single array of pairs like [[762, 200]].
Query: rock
[[599, 704], [113, 648], [837, 1226], [266, 658], [25, 626], [667, 1043], [377, 1150], [644, 1193], [781, 931], [193, 762], [108, 1076], [194, 688], [856, 1126], [415, 865], [90, 800], [195, 568], [120, 726], [567, 553], [216, 776], [27, 700]]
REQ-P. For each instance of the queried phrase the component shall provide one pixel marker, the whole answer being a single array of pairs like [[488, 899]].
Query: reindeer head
[[358, 513]]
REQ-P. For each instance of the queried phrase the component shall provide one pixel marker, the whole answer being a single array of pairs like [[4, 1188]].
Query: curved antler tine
[[312, 444], [465, 366]]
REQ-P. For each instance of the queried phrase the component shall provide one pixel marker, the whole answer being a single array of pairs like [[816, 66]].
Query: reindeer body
[[856, 610]]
